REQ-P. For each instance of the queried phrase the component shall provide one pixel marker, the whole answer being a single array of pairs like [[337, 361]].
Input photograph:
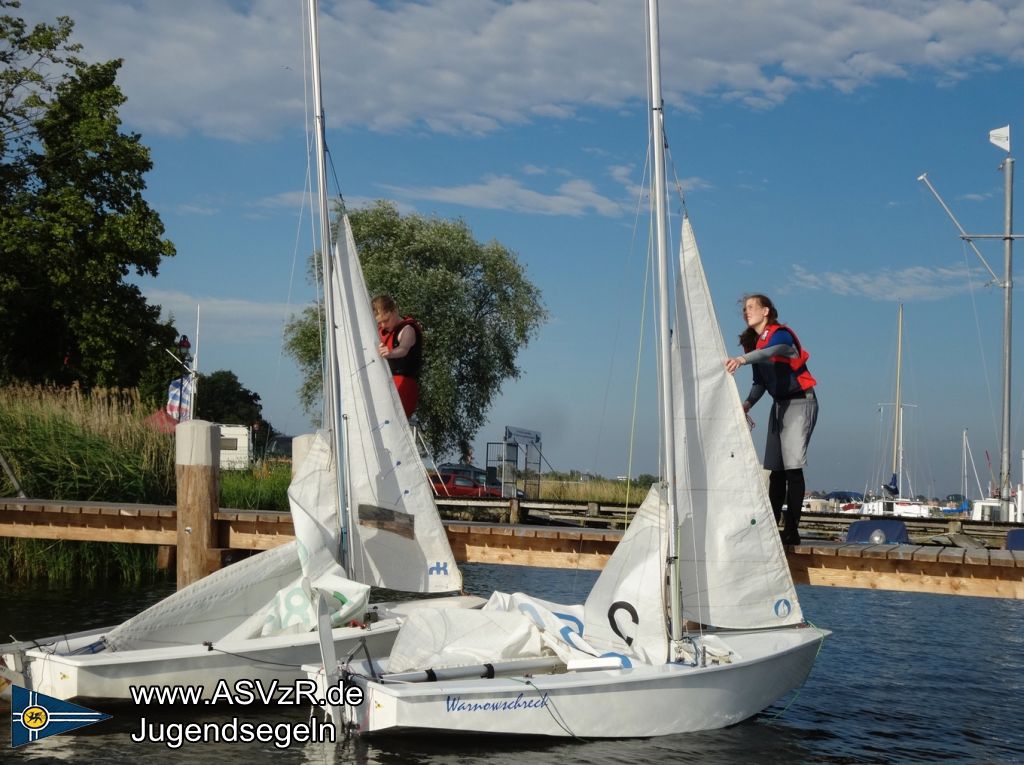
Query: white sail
[[625, 611], [734, 570], [398, 540]]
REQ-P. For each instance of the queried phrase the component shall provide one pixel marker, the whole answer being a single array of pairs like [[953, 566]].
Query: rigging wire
[[981, 345], [640, 339]]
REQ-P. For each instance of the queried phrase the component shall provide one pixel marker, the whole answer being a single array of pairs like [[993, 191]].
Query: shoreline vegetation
[[66, 443]]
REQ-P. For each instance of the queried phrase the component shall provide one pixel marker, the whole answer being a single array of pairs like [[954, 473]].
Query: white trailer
[[235, 447]]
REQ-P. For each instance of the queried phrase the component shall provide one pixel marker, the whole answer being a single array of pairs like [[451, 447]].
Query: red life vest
[[798, 365], [410, 364]]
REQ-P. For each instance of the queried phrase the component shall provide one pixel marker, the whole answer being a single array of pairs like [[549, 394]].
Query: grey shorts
[[789, 431]]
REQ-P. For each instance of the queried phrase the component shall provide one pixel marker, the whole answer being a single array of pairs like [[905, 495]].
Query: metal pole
[[658, 201], [897, 420], [332, 396], [1004, 460]]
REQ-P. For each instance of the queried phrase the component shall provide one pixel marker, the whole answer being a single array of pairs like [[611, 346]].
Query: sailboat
[[363, 513], [693, 624], [893, 502]]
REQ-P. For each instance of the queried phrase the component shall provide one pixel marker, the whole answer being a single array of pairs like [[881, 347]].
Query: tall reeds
[[63, 443]]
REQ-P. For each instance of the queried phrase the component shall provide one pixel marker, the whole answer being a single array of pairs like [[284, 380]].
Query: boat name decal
[[456, 704]]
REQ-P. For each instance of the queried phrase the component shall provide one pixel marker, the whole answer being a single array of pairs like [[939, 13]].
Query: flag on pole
[[1000, 137], [179, 398]]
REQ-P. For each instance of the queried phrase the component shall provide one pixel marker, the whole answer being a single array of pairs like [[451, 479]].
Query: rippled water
[[904, 678]]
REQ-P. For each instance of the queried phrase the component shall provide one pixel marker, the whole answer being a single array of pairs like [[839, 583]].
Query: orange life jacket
[[798, 365]]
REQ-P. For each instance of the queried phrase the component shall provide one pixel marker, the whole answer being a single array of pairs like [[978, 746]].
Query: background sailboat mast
[[332, 390], [1004, 456], [658, 200], [897, 420]]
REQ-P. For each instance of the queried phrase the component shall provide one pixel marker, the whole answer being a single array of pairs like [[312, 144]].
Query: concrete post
[[197, 472]]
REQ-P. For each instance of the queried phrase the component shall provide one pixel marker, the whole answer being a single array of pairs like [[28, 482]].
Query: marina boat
[[364, 516], [893, 502], [694, 623]]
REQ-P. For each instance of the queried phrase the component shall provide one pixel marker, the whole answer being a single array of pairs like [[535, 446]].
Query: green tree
[[474, 301], [73, 222], [222, 398]]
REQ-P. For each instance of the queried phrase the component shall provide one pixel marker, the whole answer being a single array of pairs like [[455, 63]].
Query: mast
[[1004, 456], [332, 390], [658, 201], [1001, 138], [897, 421]]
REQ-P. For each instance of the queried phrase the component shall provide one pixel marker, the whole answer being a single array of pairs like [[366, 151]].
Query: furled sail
[[734, 572]]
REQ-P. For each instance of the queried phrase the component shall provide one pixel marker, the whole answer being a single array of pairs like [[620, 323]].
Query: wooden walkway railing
[[908, 568]]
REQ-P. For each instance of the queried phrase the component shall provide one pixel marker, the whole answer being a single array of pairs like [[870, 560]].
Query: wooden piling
[[197, 472]]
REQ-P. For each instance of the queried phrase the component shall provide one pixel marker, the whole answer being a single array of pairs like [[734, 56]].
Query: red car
[[449, 485]]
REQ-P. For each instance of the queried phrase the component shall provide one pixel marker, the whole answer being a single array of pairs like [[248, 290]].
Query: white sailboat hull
[[904, 508], [647, 700], [65, 667]]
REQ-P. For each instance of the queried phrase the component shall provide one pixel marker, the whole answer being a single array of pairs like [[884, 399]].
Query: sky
[[796, 130]]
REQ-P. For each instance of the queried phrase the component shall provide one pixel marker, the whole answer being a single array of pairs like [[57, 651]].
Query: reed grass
[[66, 562], [63, 443], [262, 487], [600, 490]]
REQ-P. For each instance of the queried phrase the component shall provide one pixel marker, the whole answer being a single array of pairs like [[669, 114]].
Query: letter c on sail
[[621, 605]]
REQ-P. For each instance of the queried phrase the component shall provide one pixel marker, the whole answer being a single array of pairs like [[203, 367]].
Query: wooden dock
[[909, 568]]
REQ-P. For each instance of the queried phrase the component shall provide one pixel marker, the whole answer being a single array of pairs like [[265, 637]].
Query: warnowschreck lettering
[[247, 692], [456, 704]]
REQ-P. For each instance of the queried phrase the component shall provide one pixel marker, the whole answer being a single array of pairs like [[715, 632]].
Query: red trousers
[[408, 392]]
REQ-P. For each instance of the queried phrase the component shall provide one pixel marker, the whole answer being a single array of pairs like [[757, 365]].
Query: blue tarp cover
[[895, 532]]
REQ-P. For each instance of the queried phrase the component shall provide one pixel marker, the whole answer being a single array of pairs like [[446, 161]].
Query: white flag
[[1000, 137]]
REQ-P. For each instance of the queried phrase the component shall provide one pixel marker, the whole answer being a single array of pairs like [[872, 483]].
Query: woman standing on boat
[[780, 368]]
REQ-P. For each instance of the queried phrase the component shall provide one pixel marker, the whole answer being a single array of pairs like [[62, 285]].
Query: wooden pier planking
[[907, 568]]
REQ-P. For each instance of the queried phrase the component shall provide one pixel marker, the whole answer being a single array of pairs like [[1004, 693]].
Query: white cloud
[[194, 209], [223, 319], [235, 70], [574, 197], [891, 285]]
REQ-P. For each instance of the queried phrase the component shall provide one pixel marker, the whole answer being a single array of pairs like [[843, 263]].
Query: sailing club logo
[[35, 716], [783, 608], [438, 568]]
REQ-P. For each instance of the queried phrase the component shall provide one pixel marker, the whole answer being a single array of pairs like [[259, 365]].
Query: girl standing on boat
[[779, 367]]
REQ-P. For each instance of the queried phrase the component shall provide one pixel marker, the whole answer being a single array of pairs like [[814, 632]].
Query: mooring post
[[197, 472]]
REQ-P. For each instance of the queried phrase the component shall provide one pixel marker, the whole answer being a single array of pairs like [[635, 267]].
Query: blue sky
[[797, 130]]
